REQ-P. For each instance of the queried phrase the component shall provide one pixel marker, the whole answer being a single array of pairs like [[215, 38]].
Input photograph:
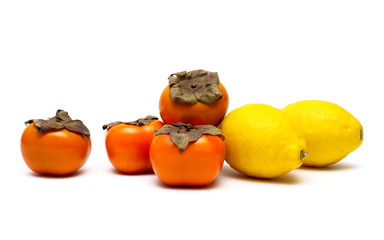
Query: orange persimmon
[[58, 146], [128, 143], [195, 97], [184, 155]]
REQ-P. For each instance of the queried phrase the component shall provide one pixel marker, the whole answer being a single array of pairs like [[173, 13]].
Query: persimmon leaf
[[60, 121], [139, 122], [183, 134], [194, 86]]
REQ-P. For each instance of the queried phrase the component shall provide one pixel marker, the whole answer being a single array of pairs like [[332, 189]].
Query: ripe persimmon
[[184, 155], [127, 144], [57, 146], [195, 97]]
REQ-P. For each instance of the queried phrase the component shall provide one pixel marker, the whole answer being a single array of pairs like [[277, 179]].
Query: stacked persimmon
[[186, 149]]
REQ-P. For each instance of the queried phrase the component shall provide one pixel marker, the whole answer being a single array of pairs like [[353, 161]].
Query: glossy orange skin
[[54, 152], [198, 165], [195, 114], [128, 146]]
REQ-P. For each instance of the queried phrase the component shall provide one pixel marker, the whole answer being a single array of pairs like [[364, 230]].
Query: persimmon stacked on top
[[195, 97]]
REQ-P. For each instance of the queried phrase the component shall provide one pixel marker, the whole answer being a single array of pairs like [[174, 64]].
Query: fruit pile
[[189, 147]]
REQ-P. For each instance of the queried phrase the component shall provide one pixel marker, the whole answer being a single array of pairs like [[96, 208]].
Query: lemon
[[261, 141], [331, 132]]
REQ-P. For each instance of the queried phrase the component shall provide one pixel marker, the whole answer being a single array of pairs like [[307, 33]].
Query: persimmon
[[186, 155], [127, 144], [57, 146], [195, 97]]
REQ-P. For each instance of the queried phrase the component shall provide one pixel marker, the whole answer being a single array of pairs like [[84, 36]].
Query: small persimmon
[[127, 144]]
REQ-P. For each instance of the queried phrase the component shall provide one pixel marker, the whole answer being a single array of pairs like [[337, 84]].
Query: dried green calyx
[[61, 121], [194, 86], [182, 134], [139, 122]]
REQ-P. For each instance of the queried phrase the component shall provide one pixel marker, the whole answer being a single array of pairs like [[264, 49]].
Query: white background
[[104, 61]]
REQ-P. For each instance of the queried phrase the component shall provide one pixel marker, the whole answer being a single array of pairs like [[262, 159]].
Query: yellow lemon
[[330, 131], [262, 141]]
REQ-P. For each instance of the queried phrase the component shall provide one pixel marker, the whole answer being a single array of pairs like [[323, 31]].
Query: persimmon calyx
[[139, 122], [194, 86], [182, 134], [60, 121]]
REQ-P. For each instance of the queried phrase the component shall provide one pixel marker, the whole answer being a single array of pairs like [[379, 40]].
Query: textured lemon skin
[[331, 132], [262, 141]]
